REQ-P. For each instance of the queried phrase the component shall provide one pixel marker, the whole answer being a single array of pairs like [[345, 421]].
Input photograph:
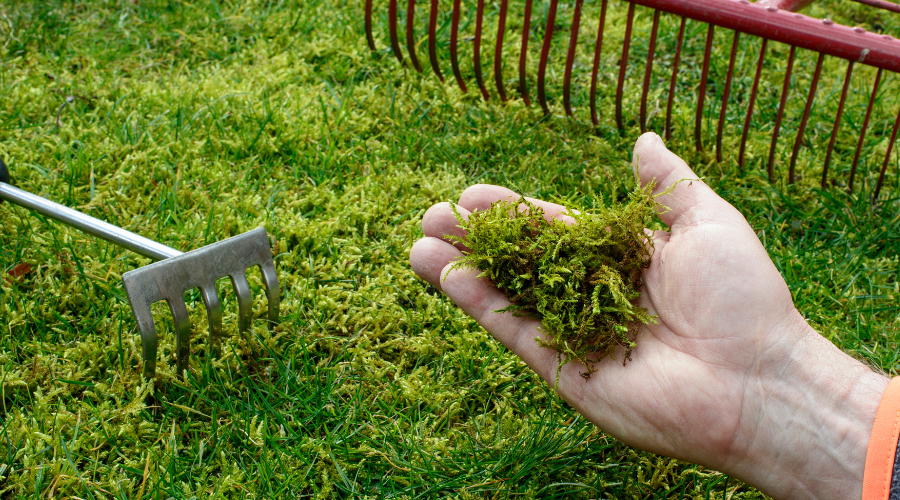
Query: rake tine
[[784, 95], [523, 54], [213, 313], [674, 79], [809, 100], [648, 70], [498, 51], [623, 63], [545, 56], [862, 133], [182, 332], [725, 93], [887, 158], [392, 23], [369, 38], [149, 339], [759, 66], [570, 58], [242, 292], [704, 74], [598, 48], [454, 42], [432, 40], [273, 294], [410, 34], [476, 56], [837, 122]]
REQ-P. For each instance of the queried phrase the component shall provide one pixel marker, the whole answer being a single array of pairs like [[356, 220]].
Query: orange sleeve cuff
[[883, 445]]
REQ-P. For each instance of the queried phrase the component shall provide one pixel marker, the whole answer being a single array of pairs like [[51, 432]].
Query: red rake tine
[[392, 26], [648, 70], [570, 58], [784, 96], [545, 56], [370, 39], [887, 158], [498, 50], [809, 100], [432, 40], [862, 132], [674, 79], [751, 101], [623, 64], [410, 34], [598, 47], [725, 92], [454, 42], [523, 53], [476, 56], [837, 123], [698, 124], [880, 4]]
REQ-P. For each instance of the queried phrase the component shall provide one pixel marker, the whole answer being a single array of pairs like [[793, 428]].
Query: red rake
[[768, 20]]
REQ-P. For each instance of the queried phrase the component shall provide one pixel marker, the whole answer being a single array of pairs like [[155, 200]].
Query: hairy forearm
[[808, 428]]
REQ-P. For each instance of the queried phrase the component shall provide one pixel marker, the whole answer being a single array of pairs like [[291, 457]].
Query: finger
[[429, 256], [481, 196], [653, 160], [440, 221], [480, 299]]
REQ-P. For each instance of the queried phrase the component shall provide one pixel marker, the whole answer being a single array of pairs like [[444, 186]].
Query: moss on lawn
[[189, 122]]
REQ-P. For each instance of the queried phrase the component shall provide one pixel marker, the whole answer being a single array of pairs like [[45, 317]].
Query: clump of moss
[[581, 280]]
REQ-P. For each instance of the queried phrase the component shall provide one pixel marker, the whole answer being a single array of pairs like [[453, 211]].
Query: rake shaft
[[103, 230]]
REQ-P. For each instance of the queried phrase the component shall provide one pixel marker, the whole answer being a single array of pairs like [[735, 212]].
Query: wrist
[[809, 419]]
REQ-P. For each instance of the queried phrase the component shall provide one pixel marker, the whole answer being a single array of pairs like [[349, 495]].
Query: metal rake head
[[169, 279]]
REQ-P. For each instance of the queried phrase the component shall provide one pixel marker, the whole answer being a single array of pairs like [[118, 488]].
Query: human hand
[[731, 377]]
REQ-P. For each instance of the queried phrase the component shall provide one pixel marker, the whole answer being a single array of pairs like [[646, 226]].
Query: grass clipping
[[580, 280]]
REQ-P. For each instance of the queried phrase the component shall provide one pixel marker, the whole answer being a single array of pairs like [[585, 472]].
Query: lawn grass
[[190, 122]]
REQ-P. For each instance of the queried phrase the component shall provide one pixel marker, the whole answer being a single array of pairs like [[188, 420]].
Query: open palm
[[705, 384]]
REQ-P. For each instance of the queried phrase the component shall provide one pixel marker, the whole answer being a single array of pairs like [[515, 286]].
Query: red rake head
[[764, 20]]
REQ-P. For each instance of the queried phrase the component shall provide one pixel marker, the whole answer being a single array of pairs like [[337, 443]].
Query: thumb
[[653, 160]]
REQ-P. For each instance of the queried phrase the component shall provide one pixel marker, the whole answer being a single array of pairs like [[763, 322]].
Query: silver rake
[[173, 275]]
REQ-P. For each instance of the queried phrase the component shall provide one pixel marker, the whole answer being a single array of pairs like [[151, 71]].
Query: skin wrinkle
[[798, 356], [679, 347], [702, 215], [758, 373], [673, 431]]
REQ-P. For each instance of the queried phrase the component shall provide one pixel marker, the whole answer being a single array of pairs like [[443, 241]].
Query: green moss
[[580, 279], [195, 121]]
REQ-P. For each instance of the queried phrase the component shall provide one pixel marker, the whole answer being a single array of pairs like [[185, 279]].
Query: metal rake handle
[[88, 224]]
